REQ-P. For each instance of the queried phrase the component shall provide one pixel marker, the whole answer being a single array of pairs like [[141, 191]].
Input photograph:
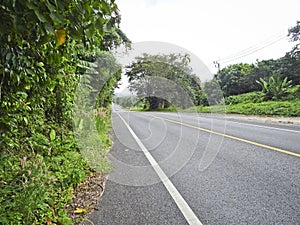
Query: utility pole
[[217, 65]]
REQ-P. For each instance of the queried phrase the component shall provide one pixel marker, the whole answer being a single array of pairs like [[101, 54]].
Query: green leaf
[[40, 16], [50, 7], [52, 135], [57, 18], [99, 24], [25, 120], [51, 86], [23, 94], [40, 64], [30, 5], [76, 33], [89, 33], [49, 28], [80, 126]]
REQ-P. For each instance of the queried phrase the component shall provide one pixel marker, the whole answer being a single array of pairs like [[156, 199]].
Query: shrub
[[275, 108], [275, 88], [32, 192], [254, 97]]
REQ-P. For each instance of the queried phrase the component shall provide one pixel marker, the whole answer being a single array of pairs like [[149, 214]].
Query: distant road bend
[[181, 168]]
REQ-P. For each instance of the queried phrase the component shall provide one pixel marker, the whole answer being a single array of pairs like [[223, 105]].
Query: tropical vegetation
[[267, 87], [46, 48]]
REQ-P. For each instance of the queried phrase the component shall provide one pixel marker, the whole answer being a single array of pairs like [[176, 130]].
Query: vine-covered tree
[[163, 80], [44, 47]]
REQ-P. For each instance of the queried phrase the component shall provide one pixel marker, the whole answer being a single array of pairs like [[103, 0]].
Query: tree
[[45, 47], [164, 80], [289, 66], [233, 80], [241, 78], [294, 34]]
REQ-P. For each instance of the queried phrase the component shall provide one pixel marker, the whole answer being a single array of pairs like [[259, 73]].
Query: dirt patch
[[86, 198]]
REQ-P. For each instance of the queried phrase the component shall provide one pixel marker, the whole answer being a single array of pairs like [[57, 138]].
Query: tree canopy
[[241, 78], [234, 79], [164, 80], [294, 34]]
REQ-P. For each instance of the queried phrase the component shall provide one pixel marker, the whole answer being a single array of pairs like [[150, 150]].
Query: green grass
[[253, 104], [141, 109], [169, 109], [249, 104], [252, 97], [36, 186], [293, 94], [275, 108], [36, 189]]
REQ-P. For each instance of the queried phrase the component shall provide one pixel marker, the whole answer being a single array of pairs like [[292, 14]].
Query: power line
[[248, 51], [253, 51], [254, 47]]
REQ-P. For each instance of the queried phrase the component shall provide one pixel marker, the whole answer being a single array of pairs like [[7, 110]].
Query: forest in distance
[[267, 87]]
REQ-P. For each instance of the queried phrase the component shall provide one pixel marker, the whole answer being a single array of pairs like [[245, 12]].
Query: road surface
[[172, 168]]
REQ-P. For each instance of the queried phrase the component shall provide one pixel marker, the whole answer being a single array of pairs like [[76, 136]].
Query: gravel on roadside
[[290, 121]]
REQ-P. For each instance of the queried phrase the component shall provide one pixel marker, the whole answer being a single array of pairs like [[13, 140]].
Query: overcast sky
[[214, 29]]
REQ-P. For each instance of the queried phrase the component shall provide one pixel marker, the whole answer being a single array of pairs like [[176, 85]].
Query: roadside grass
[[35, 189], [251, 97], [252, 103], [273, 108], [269, 108], [36, 186], [258, 97], [169, 109], [142, 109]]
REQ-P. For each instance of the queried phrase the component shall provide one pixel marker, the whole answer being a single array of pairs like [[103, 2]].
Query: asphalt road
[[224, 171]]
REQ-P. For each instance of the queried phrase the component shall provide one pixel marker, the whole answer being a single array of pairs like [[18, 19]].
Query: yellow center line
[[229, 136]]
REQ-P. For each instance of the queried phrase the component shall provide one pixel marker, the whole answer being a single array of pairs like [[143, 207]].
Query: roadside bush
[[252, 97], [272, 108], [44, 49], [35, 190], [275, 88], [294, 93], [282, 108]]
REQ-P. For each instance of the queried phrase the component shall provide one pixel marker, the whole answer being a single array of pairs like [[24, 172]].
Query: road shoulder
[[279, 120]]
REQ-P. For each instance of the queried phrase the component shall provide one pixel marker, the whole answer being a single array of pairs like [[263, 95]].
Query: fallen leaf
[[60, 36], [80, 210]]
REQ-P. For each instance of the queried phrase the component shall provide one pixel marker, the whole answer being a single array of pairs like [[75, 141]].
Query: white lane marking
[[185, 209]]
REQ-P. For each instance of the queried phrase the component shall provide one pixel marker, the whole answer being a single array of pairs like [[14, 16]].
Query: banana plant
[[275, 88]]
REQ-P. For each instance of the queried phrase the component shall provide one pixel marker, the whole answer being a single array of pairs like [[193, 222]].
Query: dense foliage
[[129, 101], [163, 80], [45, 48], [240, 84], [294, 34], [269, 108], [275, 88], [274, 76], [241, 78]]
